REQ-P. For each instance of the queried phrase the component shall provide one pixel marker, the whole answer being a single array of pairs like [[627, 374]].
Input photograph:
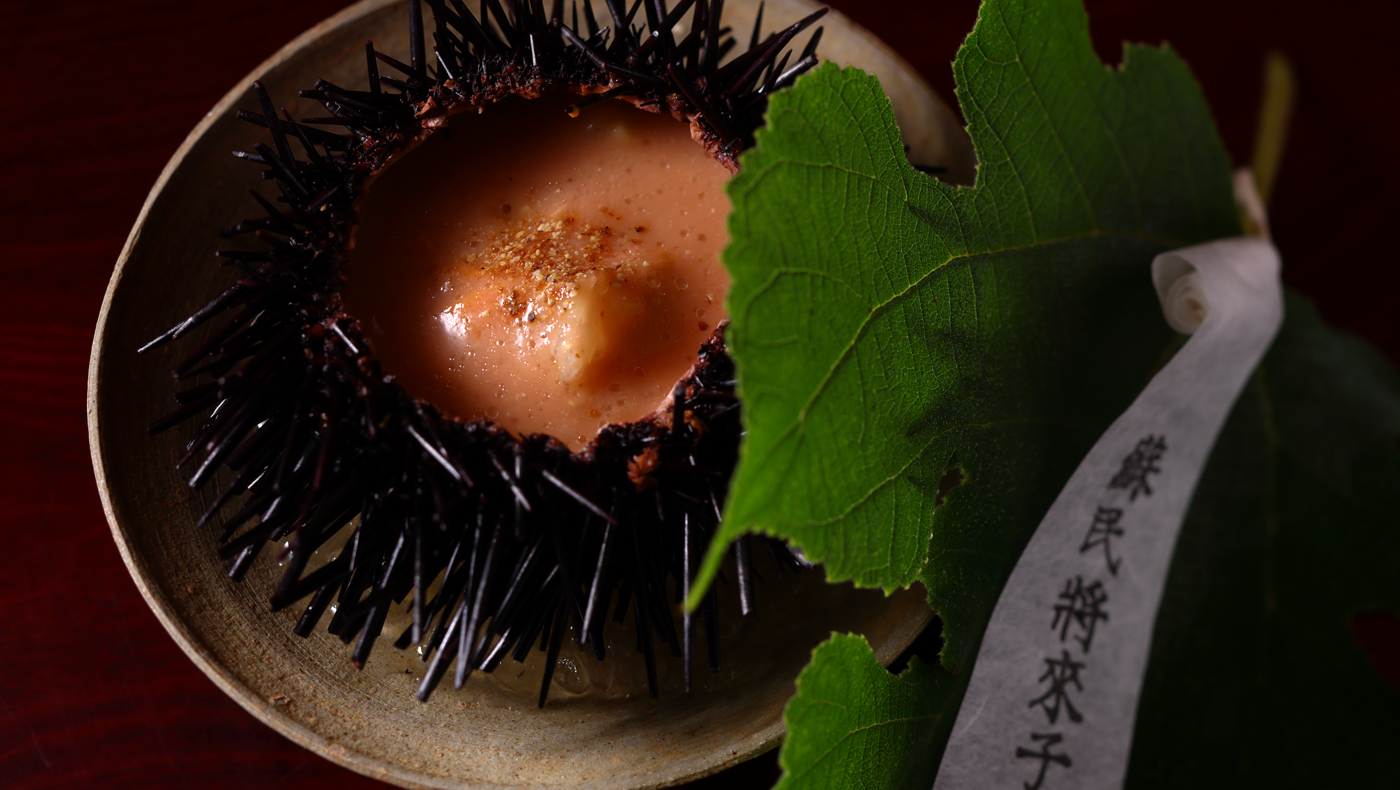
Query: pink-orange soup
[[551, 274]]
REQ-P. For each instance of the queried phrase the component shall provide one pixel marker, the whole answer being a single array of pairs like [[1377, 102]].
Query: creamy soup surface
[[549, 273]]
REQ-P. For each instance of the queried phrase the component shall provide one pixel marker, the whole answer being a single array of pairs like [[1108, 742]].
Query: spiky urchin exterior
[[526, 535]]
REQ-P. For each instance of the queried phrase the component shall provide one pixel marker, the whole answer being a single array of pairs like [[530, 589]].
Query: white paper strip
[[1055, 687]]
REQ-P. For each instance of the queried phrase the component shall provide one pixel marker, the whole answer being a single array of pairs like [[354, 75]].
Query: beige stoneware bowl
[[307, 689]]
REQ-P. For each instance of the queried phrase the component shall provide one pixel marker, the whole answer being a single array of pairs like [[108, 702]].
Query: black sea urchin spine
[[526, 538]]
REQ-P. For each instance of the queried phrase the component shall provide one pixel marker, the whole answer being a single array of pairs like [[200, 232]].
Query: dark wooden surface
[[97, 97]]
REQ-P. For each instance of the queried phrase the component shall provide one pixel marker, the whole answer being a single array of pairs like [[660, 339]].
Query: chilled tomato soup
[[550, 273]]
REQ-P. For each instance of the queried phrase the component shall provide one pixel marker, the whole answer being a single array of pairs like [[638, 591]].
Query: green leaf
[[857, 727], [1255, 679], [889, 327]]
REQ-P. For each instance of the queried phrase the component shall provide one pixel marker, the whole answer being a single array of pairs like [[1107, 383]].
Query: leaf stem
[[1275, 112]]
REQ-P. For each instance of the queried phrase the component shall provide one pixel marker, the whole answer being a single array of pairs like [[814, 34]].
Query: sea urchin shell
[[523, 536]]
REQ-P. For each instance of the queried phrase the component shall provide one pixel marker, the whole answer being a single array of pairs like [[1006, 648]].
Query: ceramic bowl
[[483, 735]]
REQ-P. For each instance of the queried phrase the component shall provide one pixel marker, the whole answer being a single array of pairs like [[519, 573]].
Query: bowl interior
[[307, 689]]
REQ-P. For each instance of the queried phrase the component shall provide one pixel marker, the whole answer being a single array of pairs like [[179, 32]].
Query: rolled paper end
[[1187, 304]]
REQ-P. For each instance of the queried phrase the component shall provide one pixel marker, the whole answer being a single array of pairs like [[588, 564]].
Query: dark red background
[[97, 97]]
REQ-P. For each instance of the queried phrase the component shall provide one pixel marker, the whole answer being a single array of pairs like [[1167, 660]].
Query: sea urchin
[[499, 540]]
